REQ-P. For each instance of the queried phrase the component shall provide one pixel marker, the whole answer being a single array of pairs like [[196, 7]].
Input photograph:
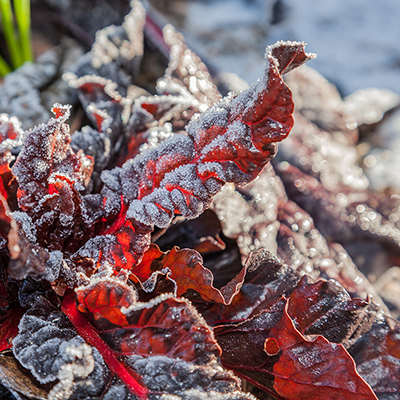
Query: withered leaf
[[20, 381]]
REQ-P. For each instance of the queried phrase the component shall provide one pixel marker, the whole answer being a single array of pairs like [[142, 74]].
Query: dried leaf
[[18, 380]]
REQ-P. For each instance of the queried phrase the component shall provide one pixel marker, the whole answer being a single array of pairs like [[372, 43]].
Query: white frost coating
[[157, 135], [212, 167], [148, 304], [27, 225], [216, 115], [105, 276], [197, 165], [63, 111], [238, 133], [157, 208], [110, 87], [185, 176], [136, 212], [81, 367], [198, 394], [111, 178]]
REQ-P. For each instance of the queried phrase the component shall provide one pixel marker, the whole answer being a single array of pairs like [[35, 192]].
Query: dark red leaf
[[276, 357], [314, 369], [267, 279], [87, 332], [188, 272], [9, 327], [122, 250], [230, 142], [50, 176], [189, 338], [289, 60], [46, 158], [105, 298], [377, 356], [166, 348], [183, 173], [317, 307]]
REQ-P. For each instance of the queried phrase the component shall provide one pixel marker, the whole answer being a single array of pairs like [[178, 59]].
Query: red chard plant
[[117, 281]]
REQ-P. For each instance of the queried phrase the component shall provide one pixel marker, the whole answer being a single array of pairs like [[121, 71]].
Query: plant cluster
[[96, 300]]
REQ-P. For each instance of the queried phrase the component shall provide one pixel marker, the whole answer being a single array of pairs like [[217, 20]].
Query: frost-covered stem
[[89, 334]]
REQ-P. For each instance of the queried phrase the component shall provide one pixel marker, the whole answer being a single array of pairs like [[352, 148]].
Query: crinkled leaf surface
[[377, 357], [188, 272], [165, 347], [50, 176], [278, 358], [305, 366]]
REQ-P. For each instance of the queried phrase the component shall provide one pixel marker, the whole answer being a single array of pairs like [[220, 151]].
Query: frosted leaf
[[26, 225], [187, 68], [230, 142], [49, 347], [46, 152], [118, 391], [180, 380], [84, 374], [53, 266], [44, 334], [94, 144], [82, 367]]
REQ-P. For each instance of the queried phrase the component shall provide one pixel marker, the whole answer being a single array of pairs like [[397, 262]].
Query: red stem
[[90, 335]]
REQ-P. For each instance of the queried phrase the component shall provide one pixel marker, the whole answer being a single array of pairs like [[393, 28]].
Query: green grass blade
[[4, 67], [22, 9], [7, 19]]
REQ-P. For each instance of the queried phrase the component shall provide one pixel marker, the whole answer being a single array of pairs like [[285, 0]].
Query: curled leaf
[[303, 366], [188, 272]]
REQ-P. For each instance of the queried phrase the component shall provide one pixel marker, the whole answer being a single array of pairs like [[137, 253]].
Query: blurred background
[[357, 41]]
